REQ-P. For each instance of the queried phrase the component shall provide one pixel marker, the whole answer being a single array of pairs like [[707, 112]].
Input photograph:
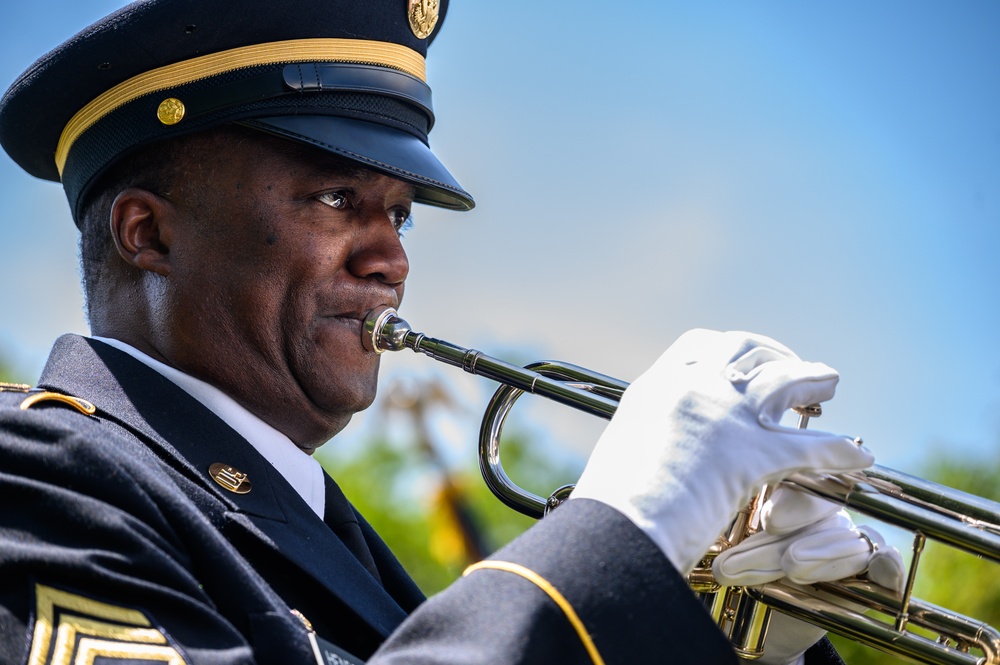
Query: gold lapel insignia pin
[[232, 479]]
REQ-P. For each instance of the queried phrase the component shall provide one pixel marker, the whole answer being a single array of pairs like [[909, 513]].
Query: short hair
[[152, 168], [159, 168]]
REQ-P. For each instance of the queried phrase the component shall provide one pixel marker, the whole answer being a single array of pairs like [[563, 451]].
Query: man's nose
[[379, 254]]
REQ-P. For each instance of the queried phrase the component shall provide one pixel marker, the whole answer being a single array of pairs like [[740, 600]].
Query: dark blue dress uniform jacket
[[116, 545]]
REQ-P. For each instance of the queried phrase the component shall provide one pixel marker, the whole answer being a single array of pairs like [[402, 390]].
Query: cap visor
[[392, 151]]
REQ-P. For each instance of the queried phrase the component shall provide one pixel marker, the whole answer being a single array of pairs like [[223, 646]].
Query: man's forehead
[[325, 164]]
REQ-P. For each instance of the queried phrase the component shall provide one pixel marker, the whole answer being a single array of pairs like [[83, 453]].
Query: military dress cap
[[347, 76]]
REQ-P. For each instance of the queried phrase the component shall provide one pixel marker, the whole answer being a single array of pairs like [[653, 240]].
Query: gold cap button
[[170, 111]]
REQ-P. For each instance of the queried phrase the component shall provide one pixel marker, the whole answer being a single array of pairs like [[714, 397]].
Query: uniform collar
[[302, 471], [190, 438]]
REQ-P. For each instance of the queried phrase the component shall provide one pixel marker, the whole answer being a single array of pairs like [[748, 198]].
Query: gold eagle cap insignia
[[423, 16]]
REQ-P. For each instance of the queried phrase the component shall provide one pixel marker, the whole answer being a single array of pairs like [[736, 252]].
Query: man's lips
[[350, 320], [359, 309], [354, 320]]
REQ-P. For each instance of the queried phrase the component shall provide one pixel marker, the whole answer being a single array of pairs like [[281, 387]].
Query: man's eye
[[402, 220], [336, 200]]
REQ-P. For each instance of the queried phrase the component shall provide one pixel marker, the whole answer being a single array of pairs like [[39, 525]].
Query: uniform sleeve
[[823, 653], [102, 560], [582, 586]]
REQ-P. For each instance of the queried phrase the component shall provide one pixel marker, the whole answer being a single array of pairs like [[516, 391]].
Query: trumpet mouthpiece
[[383, 330]]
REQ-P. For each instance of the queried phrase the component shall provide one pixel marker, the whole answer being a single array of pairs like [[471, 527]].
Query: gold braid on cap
[[359, 51]]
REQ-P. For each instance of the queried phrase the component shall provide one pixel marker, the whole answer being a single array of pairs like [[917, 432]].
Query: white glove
[[806, 539], [787, 640], [697, 434]]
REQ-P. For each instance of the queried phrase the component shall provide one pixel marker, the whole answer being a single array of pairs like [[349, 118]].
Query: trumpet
[[872, 615]]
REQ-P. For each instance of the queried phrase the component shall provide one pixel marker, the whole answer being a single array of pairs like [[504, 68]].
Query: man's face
[[279, 252]]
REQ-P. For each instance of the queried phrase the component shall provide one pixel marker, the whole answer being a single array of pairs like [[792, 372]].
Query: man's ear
[[141, 225]]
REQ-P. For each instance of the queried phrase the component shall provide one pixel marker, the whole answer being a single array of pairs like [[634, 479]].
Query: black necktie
[[341, 519]]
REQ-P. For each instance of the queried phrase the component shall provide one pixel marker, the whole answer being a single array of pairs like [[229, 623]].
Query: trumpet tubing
[[955, 518]]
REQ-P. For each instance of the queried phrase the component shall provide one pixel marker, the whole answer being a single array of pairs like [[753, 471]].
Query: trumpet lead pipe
[[384, 330]]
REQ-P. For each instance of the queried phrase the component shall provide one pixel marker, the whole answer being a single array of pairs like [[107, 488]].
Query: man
[[240, 177]]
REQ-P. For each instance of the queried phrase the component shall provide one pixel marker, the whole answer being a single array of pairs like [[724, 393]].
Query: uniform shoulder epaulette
[[39, 395]]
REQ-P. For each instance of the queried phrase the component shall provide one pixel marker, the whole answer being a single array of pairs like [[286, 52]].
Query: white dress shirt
[[301, 470]]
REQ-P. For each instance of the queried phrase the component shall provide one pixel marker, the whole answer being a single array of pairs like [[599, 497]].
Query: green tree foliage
[[6, 373]]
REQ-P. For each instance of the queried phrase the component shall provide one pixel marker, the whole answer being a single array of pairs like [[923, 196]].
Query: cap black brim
[[395, 152]]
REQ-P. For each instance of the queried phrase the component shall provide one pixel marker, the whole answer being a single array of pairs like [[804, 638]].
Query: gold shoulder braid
[[38, 395], [552, 592]]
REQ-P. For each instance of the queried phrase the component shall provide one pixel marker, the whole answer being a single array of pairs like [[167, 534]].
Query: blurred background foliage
[[436, 528], [947, 577], [436, 513], [7, 375], [438, 516]]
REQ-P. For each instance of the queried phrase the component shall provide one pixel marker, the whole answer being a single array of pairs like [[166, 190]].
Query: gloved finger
[[789, 510], [746, 344], [782, 384], [757, 560], [878, 542], [745, 367], [885, 567], [813, 451], [699, 346], [825, 556], [760, 557]]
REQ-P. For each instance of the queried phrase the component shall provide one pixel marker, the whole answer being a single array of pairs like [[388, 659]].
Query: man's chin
[[336, 410], [331, 390], [309, 438]]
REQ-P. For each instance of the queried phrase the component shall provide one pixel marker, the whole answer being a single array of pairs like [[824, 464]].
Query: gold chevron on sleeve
[[75, 630]]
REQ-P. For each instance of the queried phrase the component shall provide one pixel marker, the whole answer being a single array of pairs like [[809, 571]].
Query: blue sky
[[824, 173]]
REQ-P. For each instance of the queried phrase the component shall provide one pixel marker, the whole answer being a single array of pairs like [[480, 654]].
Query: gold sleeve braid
[[75, 630], [551, 592]]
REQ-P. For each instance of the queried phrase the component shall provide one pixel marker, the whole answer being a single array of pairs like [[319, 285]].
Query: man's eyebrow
[[342, 169], [323, 164], [349, 171]]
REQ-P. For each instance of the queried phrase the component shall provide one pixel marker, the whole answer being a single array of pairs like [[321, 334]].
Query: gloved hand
[[805, 539], [698, 433], [808, 539]]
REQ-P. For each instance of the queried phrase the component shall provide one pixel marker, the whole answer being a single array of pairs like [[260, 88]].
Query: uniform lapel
[[190, 438]]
